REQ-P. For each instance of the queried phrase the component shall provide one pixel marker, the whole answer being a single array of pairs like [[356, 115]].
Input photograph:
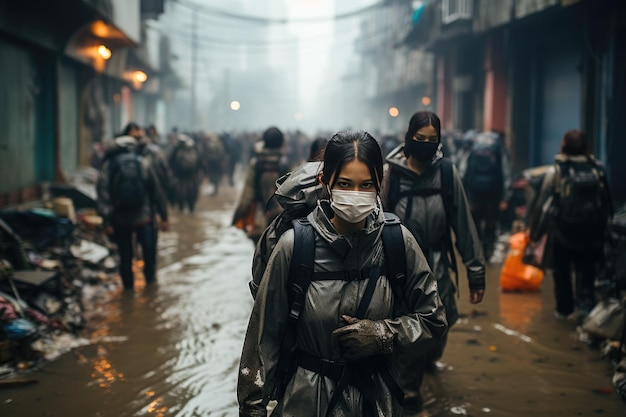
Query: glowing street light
[[426, 101], [140, 76], [394, 112], [104, 52], [235, 105]]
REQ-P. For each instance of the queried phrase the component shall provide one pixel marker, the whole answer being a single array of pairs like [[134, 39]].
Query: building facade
[[532, 69], [67, 82]]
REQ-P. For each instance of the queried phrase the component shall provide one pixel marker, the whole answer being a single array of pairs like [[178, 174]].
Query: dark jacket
[[428, 223], [154, 200], [543, 211]]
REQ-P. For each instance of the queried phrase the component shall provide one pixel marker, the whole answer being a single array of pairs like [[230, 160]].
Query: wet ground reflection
[[173, 349]]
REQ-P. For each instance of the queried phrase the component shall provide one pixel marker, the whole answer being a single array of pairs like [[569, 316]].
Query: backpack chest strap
[[351, 275]]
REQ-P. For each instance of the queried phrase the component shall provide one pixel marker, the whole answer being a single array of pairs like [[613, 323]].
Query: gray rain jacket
[[429, 226], [153, 200], [308, 393]]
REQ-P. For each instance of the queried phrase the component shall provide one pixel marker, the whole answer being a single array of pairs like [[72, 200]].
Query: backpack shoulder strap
[[395, 255], [447, 195], [300, 275], [604, 183], [394, 188], [301, 268]]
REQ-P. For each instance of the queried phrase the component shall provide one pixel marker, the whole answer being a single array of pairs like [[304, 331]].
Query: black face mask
[[422, 151]]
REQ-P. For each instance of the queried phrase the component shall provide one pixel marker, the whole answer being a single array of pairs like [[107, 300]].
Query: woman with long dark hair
[[426, 192], [339, 356]]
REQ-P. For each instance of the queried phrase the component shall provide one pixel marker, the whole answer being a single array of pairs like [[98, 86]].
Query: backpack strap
[[605, 184], [395, 255], [447, 195], [300, 274]]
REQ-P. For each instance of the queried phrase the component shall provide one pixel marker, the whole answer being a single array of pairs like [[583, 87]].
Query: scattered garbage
[[49, 256], [515, 274], [458, 410], [513, 333]]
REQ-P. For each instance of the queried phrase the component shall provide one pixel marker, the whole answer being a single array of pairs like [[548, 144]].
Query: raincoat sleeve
[[467, 240], [422, 327], [247, 193], [105, 207], [261, 350]]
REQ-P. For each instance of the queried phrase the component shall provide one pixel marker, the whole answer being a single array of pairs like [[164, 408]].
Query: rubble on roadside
[[49, 253]]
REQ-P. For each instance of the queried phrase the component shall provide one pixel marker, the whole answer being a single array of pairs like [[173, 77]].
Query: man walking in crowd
[[185, 165], [154, 154], [487, 181], [128, 196], [573, 207], [256, 209]]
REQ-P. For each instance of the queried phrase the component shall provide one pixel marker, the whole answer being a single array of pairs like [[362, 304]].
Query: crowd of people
[[337, 327], [356, 242]]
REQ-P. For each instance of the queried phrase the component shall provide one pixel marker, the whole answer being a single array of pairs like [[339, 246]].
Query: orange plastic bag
[[516, 275]]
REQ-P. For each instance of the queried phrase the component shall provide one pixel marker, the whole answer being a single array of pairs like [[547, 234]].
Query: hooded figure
[[413, 190], [129, 198], [256, 209]]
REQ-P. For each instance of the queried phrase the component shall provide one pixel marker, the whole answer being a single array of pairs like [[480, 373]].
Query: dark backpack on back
[[583, 206], [127, 184], [484, 169], [187, 159]]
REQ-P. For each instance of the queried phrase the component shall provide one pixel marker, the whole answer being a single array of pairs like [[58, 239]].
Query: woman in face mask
[[340, 364], [425, 190]]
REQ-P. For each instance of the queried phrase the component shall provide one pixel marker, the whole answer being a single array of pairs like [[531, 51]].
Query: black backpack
[[582, 198], [127, 185], [187, 159], [446, 191], [484, 167]]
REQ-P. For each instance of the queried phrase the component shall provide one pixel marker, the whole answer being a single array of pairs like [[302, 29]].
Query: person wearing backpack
[[487, 181], [256, 209], [330, 320], [573, 207], [185, 164], [129, 198], [157, 159], [425, 191]]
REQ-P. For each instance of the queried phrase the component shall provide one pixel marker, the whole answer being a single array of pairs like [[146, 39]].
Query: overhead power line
[[276, 20]]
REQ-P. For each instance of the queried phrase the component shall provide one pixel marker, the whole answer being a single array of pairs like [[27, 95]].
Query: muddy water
[[163, 351], [173, 350]]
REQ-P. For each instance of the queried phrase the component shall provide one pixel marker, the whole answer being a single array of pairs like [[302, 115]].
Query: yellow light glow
[[104, 52], [140, 76], [235, 105], [426, 101], [394, 112], [298, 116]]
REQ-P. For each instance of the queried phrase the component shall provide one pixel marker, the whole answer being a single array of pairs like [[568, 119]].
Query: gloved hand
[[363, 338]]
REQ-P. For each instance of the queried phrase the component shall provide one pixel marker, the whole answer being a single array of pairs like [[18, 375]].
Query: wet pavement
[[173, 349]]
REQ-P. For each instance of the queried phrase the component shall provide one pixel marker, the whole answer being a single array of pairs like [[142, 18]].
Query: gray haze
[[289, 63]]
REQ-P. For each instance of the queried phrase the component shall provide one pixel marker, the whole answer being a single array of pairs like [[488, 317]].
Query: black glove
[[476, 278], [363, 338]]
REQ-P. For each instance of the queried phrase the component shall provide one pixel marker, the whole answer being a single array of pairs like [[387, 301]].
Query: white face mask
[[353, 206]]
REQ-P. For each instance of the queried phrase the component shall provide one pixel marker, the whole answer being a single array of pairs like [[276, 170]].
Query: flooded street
[[173, 350]]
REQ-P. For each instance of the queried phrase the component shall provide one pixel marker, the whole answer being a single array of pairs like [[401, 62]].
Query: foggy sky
[[309, 58]]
